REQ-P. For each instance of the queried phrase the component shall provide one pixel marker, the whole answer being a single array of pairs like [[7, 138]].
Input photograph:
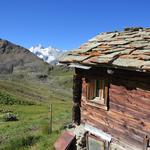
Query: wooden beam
[[77, 89]]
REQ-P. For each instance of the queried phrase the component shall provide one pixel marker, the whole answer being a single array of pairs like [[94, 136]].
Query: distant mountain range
[[17, 60], [49, 54]]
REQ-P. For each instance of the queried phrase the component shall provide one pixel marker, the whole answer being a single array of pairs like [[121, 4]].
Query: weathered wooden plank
[[125, 99], [115, 133], [129, 112], [119, 119], [94, 72]]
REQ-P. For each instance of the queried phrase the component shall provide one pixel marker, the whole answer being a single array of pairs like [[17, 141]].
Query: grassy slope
[[31, 131]]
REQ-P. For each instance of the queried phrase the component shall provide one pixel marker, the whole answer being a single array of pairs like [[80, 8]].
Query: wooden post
[[146, 143], [50, 123], [77, 88]]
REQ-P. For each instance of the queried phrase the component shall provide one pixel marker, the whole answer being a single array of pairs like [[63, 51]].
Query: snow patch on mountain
[[49, 54]]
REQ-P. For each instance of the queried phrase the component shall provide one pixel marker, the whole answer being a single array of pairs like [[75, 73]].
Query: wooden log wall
[[77, 88], [128, 116]]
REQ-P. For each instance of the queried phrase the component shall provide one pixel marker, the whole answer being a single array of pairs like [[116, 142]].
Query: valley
[[27, 92]]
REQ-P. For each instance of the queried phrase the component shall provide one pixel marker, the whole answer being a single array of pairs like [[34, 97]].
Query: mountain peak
[[49, 54]]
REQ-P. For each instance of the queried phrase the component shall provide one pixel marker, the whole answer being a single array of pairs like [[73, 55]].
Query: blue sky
[[66, 24]]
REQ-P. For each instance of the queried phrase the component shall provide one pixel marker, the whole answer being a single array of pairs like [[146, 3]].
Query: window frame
[[93, 102], [106, 143]]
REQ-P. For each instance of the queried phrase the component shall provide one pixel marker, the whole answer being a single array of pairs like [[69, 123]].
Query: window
[[97, 91], [94, 143]]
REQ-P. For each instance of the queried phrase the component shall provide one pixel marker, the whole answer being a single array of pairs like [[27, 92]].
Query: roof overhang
[[79, 66]]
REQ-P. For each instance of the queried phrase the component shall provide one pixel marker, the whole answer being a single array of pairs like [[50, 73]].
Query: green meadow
[[30, 101]]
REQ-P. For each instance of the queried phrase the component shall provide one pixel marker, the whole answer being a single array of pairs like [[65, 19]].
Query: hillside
[[14, 58], [28, 86]]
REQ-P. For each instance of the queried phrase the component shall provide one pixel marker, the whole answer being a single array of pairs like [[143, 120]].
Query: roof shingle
[[129, 49]]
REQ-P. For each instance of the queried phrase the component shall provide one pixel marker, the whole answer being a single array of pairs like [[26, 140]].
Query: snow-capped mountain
[[49, 54]]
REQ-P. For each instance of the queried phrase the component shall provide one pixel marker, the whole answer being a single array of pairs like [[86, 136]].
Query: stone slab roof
[[128, 49]]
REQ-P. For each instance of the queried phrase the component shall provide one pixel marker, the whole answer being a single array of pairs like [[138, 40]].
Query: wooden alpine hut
[[111, 89]]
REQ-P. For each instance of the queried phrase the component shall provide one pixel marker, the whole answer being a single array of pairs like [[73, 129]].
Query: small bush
[[8, 99], [10, 117]]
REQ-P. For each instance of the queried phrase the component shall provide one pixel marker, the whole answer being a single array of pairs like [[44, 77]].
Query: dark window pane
[[97, 87]]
